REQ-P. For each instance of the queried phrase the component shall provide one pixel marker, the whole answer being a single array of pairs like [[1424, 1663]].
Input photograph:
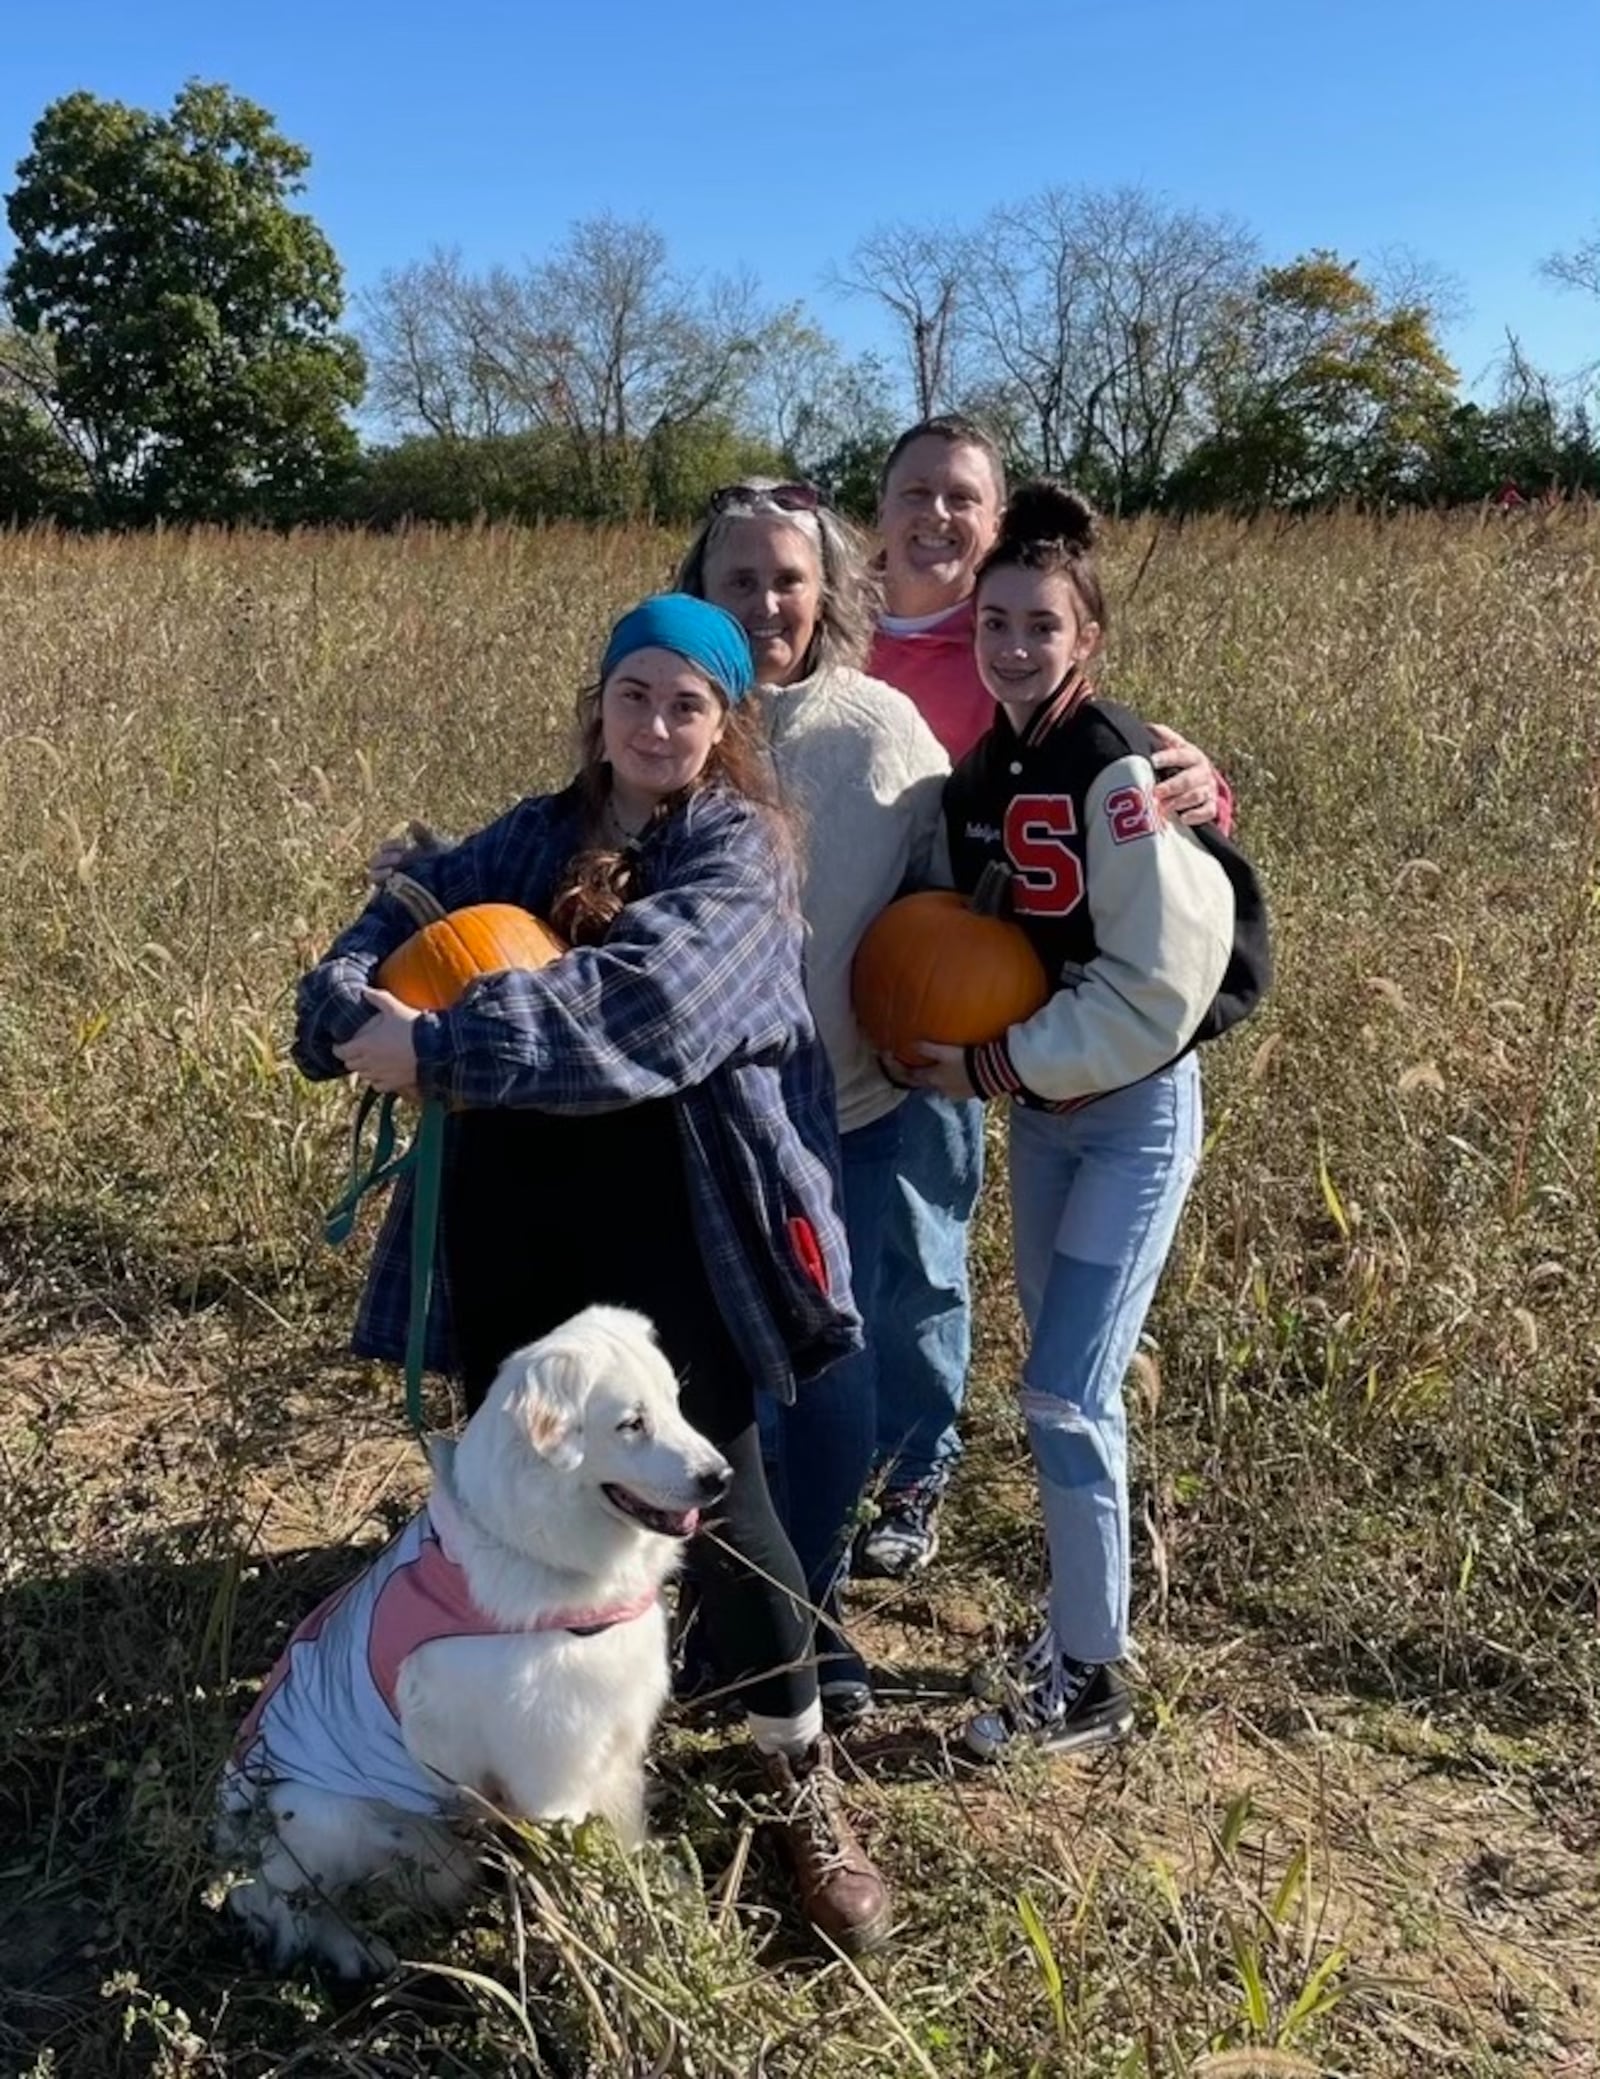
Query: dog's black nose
[[713, 1486]]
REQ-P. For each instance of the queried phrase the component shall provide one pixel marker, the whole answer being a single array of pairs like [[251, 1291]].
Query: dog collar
[[583, 1624], [444, 1520]]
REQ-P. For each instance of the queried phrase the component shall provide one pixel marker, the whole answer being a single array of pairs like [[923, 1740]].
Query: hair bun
[[1047, 511]]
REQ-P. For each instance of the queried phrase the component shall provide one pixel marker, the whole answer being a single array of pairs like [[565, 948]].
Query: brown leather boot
[[840, 1891]]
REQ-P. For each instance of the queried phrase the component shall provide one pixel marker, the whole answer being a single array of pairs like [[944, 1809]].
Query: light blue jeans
[[920, 1321], [1095, 1199]]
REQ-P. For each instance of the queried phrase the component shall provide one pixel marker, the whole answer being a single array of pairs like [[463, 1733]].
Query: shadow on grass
[[120, 1687], [72, 1268]]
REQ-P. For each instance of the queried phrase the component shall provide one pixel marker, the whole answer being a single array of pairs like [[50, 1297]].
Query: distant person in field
[[941, 494], [648, 1122], [1155, 937]]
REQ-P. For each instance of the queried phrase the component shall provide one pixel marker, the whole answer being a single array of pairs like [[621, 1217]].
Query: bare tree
[[915, 272], [1095, 315], [603, 342], [1407, 280], [1523, 387], [433, 352], [1160, 287], [1026, 324], [1579, 269], [621, 349], [800, 373], [808, 401]]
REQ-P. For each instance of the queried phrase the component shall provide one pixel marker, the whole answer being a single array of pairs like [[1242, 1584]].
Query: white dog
[[510, 1641]]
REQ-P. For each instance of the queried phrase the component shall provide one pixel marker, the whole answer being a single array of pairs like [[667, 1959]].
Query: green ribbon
[[424, 1159]]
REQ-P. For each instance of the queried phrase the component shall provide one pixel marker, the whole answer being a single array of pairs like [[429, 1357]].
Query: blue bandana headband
[[695, 630]]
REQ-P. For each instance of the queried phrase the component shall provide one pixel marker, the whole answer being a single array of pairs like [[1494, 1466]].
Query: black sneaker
[[845, 1703], [843, 1683], [1054, 1703], [905, 1536]]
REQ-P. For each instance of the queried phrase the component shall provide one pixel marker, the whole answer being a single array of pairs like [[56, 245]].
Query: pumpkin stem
[[419, 905], [992, 896]]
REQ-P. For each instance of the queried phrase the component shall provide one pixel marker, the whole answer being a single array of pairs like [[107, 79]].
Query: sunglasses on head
[[788, 498]]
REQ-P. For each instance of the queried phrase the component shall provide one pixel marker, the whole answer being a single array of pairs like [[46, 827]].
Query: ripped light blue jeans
[[1095, 1199]]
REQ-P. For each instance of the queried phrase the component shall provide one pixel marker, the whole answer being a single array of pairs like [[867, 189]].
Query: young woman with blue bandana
[[648, 1122]]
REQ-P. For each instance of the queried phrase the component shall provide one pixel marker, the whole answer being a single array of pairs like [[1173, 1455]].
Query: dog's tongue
[[686, 1525]]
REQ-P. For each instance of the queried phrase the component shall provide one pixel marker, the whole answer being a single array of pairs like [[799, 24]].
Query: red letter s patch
[[1048, 874]]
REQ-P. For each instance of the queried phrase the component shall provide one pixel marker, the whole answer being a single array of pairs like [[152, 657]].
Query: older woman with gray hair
[[866, 775]]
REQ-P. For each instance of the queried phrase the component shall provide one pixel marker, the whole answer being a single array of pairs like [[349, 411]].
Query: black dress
[[546, 1213]]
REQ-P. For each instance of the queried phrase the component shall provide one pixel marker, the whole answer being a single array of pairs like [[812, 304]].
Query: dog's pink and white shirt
[[327, 1716]]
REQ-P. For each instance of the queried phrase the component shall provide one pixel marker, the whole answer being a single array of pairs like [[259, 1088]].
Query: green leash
[[424, 1159]]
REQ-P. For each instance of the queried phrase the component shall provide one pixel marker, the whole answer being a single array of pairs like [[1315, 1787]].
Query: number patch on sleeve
[[1132, 814]]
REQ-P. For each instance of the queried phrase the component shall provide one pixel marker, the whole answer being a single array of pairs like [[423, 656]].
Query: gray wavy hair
[[849, 590]]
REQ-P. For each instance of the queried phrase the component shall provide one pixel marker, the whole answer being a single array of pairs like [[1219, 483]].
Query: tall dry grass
[[1358, 1835]]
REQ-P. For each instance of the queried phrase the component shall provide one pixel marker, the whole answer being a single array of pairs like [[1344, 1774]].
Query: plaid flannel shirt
[[696, 994]]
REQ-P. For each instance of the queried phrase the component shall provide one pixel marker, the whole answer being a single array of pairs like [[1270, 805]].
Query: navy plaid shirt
[[696, 994]]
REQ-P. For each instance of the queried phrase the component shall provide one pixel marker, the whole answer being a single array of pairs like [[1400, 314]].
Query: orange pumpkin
[[937, 966], [435, 965]]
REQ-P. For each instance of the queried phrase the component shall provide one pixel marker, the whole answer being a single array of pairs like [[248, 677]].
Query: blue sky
[[776, 134]]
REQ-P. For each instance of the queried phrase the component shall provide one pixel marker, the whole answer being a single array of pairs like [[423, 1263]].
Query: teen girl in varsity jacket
[[1155, 936]]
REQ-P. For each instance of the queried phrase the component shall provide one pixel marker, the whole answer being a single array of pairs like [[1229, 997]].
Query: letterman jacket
[[1132, 914]]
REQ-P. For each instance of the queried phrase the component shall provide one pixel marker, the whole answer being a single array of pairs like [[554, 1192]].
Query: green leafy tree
[[37, 477], [1319, 391], [191, 311], [39, 474]]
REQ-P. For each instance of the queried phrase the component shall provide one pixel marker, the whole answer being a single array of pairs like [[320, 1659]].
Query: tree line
[[175, 347]]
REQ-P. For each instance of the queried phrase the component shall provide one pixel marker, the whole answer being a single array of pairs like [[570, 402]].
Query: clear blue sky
[[775, 134]]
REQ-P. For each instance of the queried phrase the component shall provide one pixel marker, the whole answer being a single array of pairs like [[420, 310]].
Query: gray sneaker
[[905, 1536]]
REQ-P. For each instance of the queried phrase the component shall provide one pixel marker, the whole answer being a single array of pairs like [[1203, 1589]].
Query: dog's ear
[[549, 1407]]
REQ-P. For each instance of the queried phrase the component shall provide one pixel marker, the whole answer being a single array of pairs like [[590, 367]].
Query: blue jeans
[[1095, 1199], [820, 1447], [921, 1323]]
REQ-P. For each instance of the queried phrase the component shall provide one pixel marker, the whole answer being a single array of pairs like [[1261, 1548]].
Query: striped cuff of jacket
[[990, 1072]]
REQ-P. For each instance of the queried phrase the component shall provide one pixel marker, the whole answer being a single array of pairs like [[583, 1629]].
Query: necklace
[[618, 830]]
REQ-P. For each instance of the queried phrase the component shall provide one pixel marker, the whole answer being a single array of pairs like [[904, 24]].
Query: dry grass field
[[1359, 1833]]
